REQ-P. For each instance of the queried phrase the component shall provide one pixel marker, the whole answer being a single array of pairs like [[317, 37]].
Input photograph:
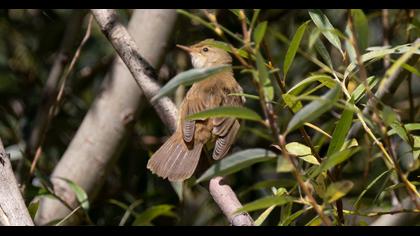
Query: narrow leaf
[[334, 159], [81, 195], [264, 216], [293, 47], [265, 203], [361, 28], [322, 78], [359, 92], [145, 218], [238, 112], [314, 109], [327, 29], [338, 190], [187, 78], [236, 162], [356, 204], [292, 102], [33, 208], [340, 131], [259, 33]]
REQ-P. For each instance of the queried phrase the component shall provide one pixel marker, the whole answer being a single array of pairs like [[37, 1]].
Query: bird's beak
[[188, 49]]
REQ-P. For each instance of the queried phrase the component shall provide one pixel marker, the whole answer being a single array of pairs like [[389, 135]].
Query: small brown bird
[[178, 157]]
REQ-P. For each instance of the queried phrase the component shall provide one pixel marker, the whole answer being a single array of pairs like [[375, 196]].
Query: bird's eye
[[205, 49]]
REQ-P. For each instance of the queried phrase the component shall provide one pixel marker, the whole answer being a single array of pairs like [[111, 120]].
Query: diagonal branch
[[13, 210]]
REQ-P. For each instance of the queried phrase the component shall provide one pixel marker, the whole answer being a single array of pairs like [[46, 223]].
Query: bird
[[179, 156]]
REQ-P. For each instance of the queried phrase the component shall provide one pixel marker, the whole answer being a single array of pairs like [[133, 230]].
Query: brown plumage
[[178, 157]]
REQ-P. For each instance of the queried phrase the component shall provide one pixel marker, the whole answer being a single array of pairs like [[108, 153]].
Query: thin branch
[[53, 109]]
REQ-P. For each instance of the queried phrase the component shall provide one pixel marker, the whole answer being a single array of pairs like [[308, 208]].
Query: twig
[[57, 101]]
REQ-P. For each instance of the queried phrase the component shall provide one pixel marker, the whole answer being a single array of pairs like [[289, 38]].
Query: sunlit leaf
[[263, 216], [237, 112], [187, 78], [338, 190], [301, 151], [236, 162], [292, 102]]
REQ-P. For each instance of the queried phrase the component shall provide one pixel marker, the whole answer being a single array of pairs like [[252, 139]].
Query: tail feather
[[174, 160]]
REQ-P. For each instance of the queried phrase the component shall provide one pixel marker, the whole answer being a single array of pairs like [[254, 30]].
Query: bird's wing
[[226, 128], [192, 106]]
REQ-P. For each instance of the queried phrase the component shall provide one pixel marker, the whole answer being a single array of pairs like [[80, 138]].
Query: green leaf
[[146, 217], [314, 109], [327, 29], [263, 77], [340, 131], [391, 119], [283, 165], [238, 112], [408, 127], [251, 96], [301, 151], [292, 102], [265, 203], [359, 92], [263, 216], [259, 33], [81, 195], [334, 159], [293, 47], [351, 51], [361, 28], [293, 217], [376, 53], [187, 78], [338, 190], [322, 51], [416, 147], [236, 162], [322, 78], [356, 204], [33, 208]]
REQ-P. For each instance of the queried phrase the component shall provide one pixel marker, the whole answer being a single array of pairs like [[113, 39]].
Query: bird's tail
[[174, 160]]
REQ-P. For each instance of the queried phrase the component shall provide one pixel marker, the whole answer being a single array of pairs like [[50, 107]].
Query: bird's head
[[204, 54]]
